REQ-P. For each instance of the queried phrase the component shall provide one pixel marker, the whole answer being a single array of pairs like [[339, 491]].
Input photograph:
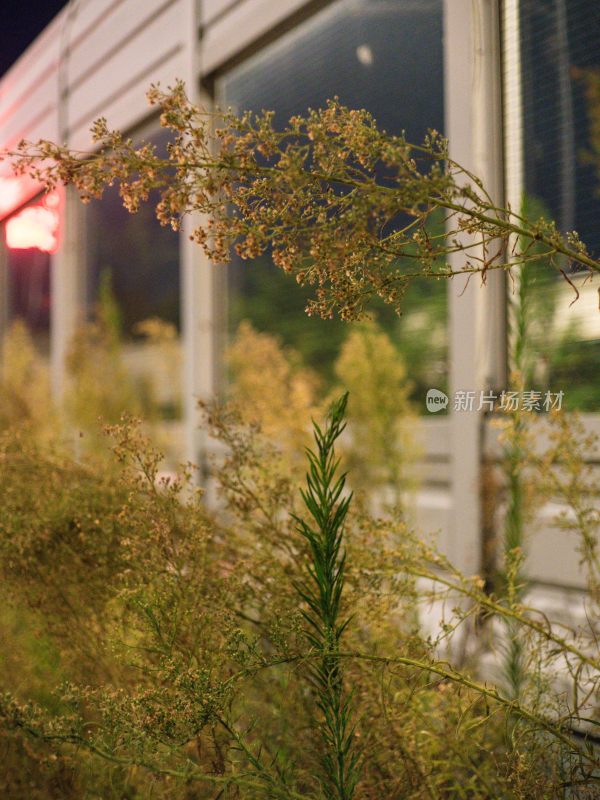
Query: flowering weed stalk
[[322, 591], [338, 203]]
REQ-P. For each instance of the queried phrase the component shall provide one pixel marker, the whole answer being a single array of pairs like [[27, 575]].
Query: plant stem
[[322, 591]]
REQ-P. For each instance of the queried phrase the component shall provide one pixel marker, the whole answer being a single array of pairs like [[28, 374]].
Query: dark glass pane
[[560, 50], [29, 288], [386, 57], [133, 266], [28, 273], [140, 255]]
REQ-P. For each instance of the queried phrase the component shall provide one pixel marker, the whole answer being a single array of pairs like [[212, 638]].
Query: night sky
[[20, 23]]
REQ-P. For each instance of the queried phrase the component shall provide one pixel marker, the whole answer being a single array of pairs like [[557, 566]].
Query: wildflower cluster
[[340, 204]]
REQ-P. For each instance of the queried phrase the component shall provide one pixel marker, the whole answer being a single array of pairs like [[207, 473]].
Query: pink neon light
[[35, 226]]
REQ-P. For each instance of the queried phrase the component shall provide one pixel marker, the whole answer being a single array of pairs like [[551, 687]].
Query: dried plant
[[185, 635], [341, 205]]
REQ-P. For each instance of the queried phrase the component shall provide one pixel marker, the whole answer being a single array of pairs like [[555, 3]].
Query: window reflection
[[29, 289], [385, 57], [560, 50], [133, 271], [140, 255], [28, 292]]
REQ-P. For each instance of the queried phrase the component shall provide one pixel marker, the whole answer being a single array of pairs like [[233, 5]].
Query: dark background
[[20, 23]]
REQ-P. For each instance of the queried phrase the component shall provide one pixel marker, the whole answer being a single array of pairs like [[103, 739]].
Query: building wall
[[98, 57]]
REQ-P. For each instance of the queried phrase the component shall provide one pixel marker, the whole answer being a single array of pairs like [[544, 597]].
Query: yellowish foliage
[[272, 389], [163, 339], [24, 384], [379, 413], [100, 388]]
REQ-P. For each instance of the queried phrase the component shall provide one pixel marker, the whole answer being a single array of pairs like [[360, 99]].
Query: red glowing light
[[36, 226], [13, 191]]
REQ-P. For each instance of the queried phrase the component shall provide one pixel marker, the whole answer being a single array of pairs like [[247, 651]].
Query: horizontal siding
[[432, 513], [434, 436], [129, 107], [29, 93], [43, 126], [115, 34], [39, 63], [210, 10], [553, 554], [237, 29], [433, 471], [591, 423], [156, 53], [116, 48], [87, 15], [36, 112]]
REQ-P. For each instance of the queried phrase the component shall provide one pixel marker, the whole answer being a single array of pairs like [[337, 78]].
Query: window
[[30, 236], [139, 254], [386, 57], [133, 266], [560, 55]]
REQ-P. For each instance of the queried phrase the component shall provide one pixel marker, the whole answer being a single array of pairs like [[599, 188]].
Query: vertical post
[[68, 264], [513, 137], [513, 104], [199, 281], [476, 313], [67, 285]]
